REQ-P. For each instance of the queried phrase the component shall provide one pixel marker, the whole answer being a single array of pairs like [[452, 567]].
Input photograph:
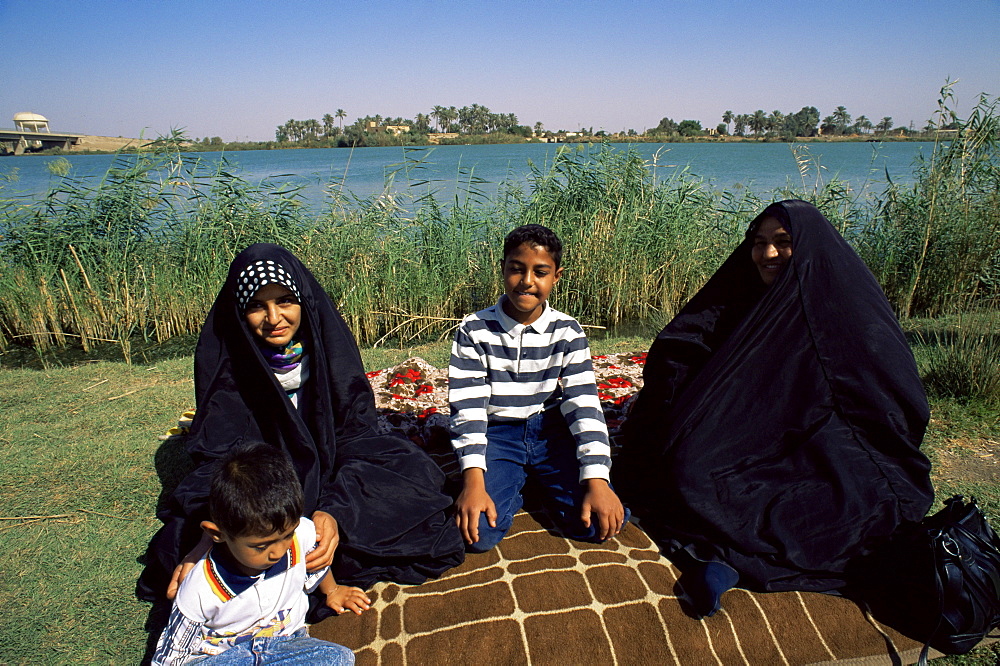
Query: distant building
[[26, 121], [395, 130]]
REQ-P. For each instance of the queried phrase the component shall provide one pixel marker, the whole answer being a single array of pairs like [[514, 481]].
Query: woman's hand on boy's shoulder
[[187, 564], [327, 540], [603, 503]]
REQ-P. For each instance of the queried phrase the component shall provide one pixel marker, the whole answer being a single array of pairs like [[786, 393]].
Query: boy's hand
[[327, 538], [344, 598], [184, 568], [472, 501], [602, 501]]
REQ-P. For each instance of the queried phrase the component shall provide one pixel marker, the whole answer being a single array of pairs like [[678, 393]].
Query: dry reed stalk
[[414, 317], [49, 310], [58, 515], [94, 297], [31, 521], [416, 335], [76, 312], [128, 393], [106, 515], [52, 333], [124, 318]]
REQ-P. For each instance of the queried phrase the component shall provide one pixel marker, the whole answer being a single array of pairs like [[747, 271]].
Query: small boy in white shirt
[[245, 600]]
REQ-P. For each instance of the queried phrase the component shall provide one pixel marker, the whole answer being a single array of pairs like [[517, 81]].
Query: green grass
[[78, 446]]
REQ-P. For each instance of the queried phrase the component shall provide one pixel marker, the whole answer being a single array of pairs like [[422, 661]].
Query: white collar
[[513, 327]]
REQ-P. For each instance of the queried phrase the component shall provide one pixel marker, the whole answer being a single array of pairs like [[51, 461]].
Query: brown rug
[[542, 599]]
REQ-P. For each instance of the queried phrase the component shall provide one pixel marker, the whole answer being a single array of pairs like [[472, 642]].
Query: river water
[[448, 171]]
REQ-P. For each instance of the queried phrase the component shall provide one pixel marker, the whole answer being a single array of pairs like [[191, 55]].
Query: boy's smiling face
[[529, 273]]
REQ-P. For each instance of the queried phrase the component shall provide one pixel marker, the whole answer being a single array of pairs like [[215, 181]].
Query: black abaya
[[778, 428], [385, 493]]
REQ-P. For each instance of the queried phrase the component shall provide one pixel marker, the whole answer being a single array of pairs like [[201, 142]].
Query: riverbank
[[105, 144], [140, 249], [99, 145]]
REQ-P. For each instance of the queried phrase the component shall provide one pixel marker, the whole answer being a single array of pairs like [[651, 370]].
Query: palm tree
[[884, 125], [775, 121], [471, 118], [437, 113], [311, 129], [740, 123], [841, 118], [727, 118], [340, 115], [757, 122], [480, 118], [863, 125], [539, 127], [327, 125]]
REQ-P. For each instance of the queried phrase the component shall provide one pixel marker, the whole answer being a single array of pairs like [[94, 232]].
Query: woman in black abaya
[[276, 362], [776, 437]]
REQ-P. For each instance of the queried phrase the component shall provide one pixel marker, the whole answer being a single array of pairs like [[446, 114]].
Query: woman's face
[[274, 314], [772, 248]]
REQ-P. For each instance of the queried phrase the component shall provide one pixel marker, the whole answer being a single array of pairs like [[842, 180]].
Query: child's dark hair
[[534, 234], [255, 491]]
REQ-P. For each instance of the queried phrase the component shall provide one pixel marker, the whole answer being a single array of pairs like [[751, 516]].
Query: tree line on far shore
[[478, 124]]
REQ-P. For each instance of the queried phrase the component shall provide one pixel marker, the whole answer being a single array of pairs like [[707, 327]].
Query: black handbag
[[939, 580]]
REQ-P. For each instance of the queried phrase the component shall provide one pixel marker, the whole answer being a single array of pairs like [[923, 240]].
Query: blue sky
[[240, 69]]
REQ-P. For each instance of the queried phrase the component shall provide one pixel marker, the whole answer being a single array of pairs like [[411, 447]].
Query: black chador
[[385, 493], [778, 428]]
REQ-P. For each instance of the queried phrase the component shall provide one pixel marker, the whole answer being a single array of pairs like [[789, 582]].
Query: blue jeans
[[540, 447], [298, 648]]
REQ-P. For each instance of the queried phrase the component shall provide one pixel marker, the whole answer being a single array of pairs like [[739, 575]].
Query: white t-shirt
[[218, 607]]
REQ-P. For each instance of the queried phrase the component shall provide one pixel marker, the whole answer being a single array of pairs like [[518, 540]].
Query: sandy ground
[[106, 143]]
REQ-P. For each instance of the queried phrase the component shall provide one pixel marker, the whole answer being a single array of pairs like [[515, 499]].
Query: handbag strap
[[939, 589]]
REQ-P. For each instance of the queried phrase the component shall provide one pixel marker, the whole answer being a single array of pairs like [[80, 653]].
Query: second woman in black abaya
[[384, 492], [778, 428]]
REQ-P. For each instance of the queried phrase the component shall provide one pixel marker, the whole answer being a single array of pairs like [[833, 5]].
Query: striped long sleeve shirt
[[503, 370]]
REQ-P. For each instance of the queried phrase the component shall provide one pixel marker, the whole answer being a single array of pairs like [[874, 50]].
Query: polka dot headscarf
[[259, 273]]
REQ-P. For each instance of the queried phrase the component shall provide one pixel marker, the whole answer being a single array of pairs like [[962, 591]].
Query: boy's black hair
[[534, 234], [255, 491]]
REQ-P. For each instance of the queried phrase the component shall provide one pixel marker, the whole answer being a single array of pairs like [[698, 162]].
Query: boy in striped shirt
[[524, 404]]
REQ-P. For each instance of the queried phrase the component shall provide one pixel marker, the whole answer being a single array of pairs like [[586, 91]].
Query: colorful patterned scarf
[[282, 359]]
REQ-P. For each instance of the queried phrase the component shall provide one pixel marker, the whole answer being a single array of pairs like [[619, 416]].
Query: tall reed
[[935, 245], [144, 251]]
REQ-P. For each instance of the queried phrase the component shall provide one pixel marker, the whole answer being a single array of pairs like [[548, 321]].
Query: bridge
[[18, 141]]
